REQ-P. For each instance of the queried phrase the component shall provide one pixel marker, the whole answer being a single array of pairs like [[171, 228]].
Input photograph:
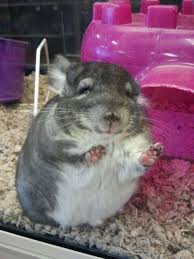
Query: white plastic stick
[[37, 72]]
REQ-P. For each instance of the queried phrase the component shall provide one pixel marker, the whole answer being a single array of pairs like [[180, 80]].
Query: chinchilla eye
[[85, 90], [128, 89], [85, 86], [128, 93]]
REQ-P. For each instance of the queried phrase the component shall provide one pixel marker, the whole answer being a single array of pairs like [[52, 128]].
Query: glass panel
[[157, 220]]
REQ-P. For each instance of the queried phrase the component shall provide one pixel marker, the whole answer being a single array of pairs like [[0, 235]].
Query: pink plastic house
[[157, 47]]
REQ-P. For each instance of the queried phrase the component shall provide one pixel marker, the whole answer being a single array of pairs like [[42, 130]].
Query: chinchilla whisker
[[66, 113], [72, 122], [25, 110], [30, 110], [56, 109], [156, 124], [160, 132], [61, 126], [69, 124], [58, 119], [159, 128], [79, 113], [133, 132], [160, 123]]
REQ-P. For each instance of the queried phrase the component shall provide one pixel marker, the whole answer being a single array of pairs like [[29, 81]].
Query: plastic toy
[[12, 61], [157, 47]]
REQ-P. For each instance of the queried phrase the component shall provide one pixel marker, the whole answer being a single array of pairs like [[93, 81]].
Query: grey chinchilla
[[87, 148]]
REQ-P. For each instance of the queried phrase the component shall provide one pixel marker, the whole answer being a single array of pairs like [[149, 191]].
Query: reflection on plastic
[[159, 53]]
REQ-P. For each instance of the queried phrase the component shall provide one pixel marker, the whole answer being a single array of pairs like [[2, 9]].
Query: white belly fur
[[91, 195]]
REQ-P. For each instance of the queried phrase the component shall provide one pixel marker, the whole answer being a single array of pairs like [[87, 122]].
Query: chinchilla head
[[97, 97]]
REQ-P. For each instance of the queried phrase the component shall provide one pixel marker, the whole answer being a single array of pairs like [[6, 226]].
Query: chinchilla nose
[[112, 117]]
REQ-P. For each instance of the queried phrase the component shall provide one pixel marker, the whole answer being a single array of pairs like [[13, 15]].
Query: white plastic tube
[[37, 72]]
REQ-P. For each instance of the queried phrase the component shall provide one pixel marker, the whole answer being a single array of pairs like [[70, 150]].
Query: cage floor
[[158, 222]]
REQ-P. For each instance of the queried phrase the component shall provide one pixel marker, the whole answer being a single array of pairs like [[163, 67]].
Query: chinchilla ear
[[57, 75], [132, 87]]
